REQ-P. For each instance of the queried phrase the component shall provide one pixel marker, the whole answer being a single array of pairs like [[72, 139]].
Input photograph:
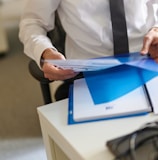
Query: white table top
[[86, 141]]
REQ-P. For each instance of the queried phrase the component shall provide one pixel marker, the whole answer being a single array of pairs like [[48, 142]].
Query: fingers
[[53, 73], [153, 51], [150, 44], [62, 76], [147, 43]]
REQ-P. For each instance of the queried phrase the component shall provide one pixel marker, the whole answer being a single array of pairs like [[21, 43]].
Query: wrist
[[47, 54], [155, 28]]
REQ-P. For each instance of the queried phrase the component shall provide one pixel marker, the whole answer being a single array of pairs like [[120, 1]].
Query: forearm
[[35, 40], [34, 26]]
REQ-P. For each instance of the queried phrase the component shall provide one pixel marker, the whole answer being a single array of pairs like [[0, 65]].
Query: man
[[88, 28]]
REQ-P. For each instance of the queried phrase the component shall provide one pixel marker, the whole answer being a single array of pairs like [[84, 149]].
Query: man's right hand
[[52, 72], [150, 44]]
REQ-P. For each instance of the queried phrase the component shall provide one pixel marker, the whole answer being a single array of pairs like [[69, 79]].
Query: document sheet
[[135, 102]]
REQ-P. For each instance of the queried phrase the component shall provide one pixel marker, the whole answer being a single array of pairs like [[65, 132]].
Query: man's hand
[[52, 72], [150, 44]]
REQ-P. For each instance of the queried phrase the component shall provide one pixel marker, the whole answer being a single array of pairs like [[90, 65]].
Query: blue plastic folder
[[87, 113], [135, 70], [117, 85]]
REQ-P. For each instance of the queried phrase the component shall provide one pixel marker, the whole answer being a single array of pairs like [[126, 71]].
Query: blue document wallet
[[81, 107]]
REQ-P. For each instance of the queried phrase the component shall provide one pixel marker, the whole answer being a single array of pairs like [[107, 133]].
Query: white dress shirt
[[87, 24]]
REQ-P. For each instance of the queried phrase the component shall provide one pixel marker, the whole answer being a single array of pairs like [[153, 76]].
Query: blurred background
[[20, 94]]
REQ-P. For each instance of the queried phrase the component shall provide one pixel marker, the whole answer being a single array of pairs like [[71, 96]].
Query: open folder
[[121, 90], [82, 108]]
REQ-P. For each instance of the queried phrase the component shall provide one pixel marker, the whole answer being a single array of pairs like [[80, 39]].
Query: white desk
[[81, 141]]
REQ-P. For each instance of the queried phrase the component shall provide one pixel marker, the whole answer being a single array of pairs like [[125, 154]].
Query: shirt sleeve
[[156, 15], [152, 6], [36, 20]]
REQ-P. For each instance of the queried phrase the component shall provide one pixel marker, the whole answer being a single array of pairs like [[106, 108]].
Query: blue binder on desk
[[115, 92], [81, 107]]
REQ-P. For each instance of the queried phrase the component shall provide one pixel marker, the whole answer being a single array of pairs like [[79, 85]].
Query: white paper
[[79, 65], [84, 108]]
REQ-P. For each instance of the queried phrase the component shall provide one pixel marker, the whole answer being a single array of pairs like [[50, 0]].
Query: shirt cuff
[[39, 49]]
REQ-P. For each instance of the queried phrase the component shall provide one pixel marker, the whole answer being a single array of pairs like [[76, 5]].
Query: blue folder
[[71, 120], [135, 70], [109, 84]]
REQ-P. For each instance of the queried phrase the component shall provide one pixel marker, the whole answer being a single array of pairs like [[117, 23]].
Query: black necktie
[[120, 38]]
